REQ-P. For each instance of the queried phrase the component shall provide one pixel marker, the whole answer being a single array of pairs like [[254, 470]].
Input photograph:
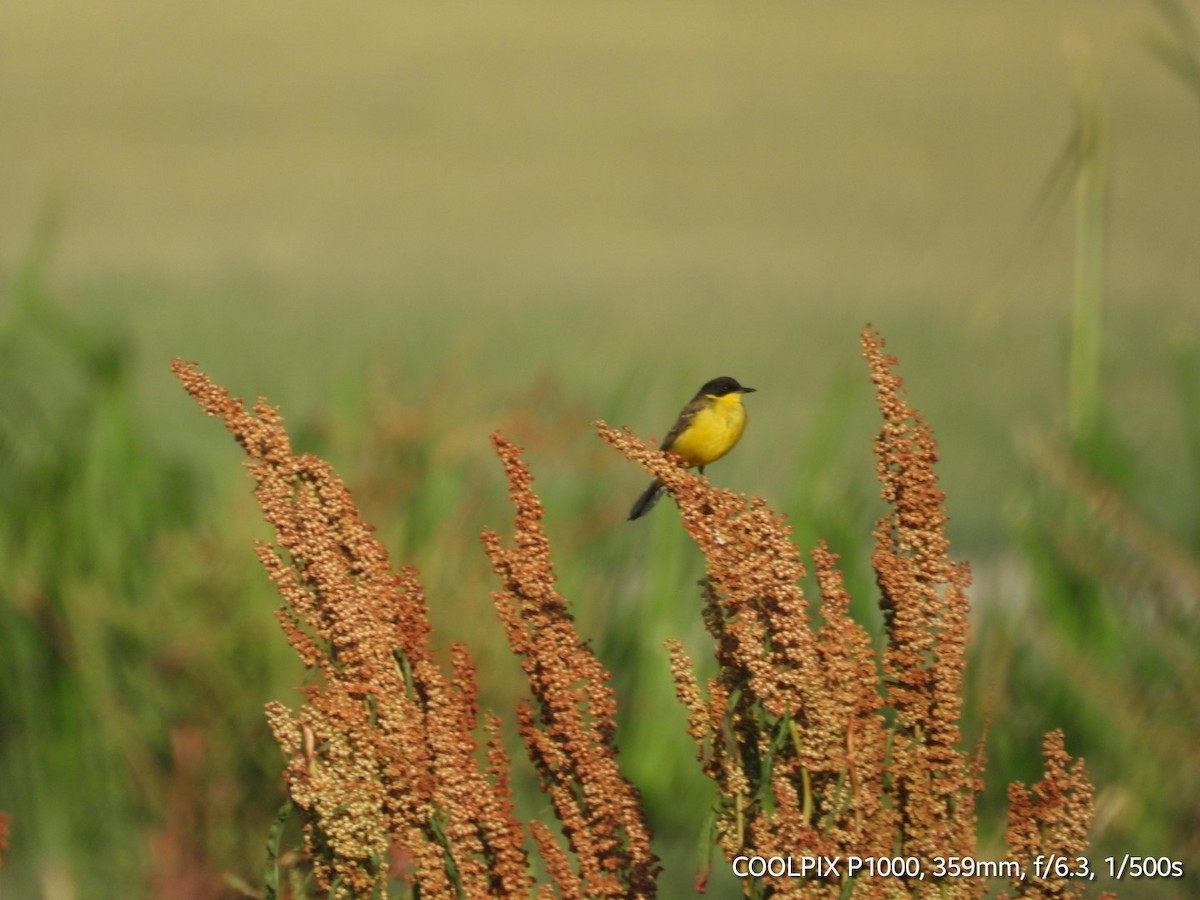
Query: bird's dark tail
[[646, 502]]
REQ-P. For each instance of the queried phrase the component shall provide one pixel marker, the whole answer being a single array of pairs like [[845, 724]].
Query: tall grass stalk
[[131, 738], [1089, 149], [86, 499], [1104, 641], [1179, 48]]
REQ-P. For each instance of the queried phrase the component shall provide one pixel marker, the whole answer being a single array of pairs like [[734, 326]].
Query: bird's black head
[[719, 387]]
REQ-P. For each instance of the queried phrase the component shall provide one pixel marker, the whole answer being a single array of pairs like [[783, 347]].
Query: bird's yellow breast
[[713, 431]]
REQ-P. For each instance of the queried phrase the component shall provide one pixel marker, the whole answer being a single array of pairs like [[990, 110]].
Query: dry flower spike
[[817, 745], [570, 735], [381, 758]]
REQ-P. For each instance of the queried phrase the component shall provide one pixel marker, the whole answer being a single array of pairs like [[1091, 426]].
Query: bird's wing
[[684, 420]]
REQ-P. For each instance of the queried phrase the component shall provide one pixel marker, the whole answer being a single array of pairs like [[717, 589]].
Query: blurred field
[[409, 225], [259, 185]]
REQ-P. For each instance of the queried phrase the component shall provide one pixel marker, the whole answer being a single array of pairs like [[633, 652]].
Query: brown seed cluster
[[1051, 819], [570, 729], [381, 758], [817, 745], [790, 728], [924, 600]]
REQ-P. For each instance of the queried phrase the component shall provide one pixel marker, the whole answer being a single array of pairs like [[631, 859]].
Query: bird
[[707, 428]]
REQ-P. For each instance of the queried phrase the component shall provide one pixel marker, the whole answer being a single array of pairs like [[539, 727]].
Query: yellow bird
[[708, 428]]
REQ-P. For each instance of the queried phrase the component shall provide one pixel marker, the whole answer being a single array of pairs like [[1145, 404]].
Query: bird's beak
[[747, 390]]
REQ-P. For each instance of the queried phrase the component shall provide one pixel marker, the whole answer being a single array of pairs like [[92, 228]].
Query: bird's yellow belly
[[712, 433]]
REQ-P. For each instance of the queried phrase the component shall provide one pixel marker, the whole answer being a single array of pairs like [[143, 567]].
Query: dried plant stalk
[[1052, 820], [817, 746], [570, 735], [381, 758], [924, 600]]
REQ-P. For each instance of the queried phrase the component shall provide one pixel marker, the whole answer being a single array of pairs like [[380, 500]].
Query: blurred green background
[[411, 225]]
